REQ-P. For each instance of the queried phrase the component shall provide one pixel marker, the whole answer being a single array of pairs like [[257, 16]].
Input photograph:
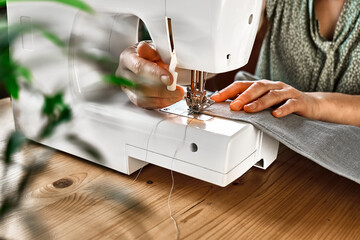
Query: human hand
[[143, 65], [255, 96]]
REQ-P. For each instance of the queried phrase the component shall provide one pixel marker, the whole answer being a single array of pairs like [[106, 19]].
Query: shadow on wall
[[3, 93]]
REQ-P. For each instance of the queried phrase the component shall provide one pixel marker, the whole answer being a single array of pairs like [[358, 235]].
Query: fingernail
[[278, 112], [235, 106], [165, 79], [252, 106], [215, 94]]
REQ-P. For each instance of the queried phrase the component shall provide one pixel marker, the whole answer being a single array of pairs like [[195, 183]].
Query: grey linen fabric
[[333, 146]]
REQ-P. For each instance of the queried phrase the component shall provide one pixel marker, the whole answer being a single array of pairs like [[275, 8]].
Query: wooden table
[[75, 199]]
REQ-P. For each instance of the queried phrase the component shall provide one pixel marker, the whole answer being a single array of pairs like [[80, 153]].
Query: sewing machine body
[[212, 149], [209, 148]]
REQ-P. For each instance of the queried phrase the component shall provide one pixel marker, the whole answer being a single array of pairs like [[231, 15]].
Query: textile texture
[[333, 146]]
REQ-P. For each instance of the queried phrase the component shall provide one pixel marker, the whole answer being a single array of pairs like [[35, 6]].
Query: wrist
[[319, 105], [336, 107]]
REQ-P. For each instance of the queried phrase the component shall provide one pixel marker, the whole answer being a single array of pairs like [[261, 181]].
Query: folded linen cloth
[[333, 146]]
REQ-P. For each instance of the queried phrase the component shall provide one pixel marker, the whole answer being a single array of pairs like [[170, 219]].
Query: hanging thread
[[169, 207], [147, 146], [153, 130], [173, 180]]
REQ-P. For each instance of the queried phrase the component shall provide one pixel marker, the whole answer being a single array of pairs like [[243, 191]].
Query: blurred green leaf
[[53, 123], [29, 171], [12, 201], [12, 86], [9, 33], [53, 38], [73, 3], [52, 103], [119, 81], [57, 112], [105, 63], [10, 72], [6, 206], [16, 141], [86, 147], [5, 66], [24, 72]]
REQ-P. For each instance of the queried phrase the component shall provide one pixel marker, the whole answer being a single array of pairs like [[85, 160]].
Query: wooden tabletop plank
[[73, 198]]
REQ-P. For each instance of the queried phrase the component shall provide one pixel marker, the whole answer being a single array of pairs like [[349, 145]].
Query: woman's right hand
[[143, 65]]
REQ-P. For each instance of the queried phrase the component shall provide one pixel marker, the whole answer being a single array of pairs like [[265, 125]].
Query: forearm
[[338, 108]]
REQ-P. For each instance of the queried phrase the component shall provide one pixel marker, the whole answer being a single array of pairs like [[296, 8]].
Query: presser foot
[[197, 102]]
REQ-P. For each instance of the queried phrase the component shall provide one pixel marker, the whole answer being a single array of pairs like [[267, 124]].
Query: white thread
[[173, 180], [147, 147], [169, 207], [171, 168], [137, 175], [172, 175]]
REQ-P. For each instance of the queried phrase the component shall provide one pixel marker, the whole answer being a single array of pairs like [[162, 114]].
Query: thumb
[[144, 50]]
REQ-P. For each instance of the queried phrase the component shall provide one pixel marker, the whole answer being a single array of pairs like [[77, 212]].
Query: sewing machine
[[206, 35]]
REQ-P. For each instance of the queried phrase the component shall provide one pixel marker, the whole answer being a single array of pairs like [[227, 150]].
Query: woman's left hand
[[255, 96]]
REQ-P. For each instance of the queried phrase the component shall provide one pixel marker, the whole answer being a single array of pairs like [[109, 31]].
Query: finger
[[131, 94], [231, 91], [270, 99], [146, 51], [153, 102], [163, 65], [161, 92], [255, 91], [145, 69], [290, 106], [160, 102]]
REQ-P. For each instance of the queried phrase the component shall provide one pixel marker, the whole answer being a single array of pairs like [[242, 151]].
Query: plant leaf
[[6, 206], [12, 86], [73, 3], [54, 122], [86, 147], [12, 201], [24, 72], [52, 102], [53, 38], [57, 112], [5, 65], [9, 33], [104, 63], [119, 81], [16, 141]]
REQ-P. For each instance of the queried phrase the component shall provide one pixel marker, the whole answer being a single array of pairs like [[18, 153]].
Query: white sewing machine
[[208, 36]]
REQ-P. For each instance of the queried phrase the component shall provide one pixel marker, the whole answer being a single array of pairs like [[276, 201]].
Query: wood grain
[[75, 199]]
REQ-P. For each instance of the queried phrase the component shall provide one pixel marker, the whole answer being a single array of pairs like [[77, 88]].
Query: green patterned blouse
[[294, 51]]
